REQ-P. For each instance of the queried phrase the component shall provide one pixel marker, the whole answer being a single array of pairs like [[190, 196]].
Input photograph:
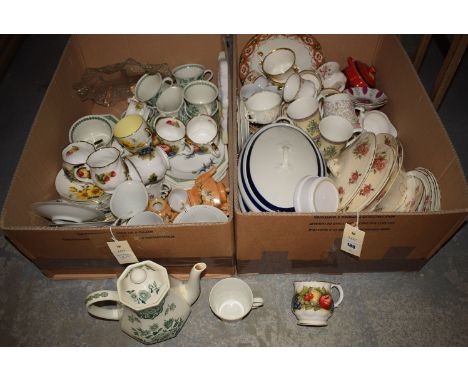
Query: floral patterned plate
[[76, 191], [377, 177], [349, 169], [307, 49], [368, 98], [413, 194]]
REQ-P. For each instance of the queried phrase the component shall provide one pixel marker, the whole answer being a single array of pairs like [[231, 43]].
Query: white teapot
[[151, 306]]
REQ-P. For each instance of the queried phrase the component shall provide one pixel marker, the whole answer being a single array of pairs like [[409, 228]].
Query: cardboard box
[[83, 253], [304, 243]]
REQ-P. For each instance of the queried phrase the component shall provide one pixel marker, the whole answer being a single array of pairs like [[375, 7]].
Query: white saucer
[[201, 214], [66, 212]]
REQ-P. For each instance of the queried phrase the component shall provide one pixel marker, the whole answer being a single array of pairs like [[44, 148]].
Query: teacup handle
[[215, 150], [168, 80], [340, 291], [97, 311], [210, 75], [85, 180], [257, 302]]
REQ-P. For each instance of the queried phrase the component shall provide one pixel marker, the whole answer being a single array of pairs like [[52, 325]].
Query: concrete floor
[[425, 308]]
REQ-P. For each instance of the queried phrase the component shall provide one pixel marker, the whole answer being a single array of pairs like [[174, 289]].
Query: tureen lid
[[143, 285]]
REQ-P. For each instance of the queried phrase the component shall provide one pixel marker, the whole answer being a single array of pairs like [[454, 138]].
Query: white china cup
[[263, 107], [178, 199], [336, 81], [296, 87], [316, 194], [279, 64], [149, 86], [74, 164], [328, 69], [133, 133], [231, 299], [107, 168], [312, 76], [201, 98], [93, 129], [151, 164], [170, 101], [339, 104], [335, 131], [187, 73], [376, 122], [129, 199], [145, 218], [202, 131]]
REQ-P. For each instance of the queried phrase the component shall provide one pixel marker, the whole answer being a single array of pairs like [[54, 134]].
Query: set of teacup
[[287, 93]]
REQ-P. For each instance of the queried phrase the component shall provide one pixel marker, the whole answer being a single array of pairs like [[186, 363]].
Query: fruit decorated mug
[[313, 302]]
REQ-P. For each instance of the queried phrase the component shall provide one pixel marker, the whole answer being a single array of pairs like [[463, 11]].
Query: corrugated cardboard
[[300, 243], [83, 253]]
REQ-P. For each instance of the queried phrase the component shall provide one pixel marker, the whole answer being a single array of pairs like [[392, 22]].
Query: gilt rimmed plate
[[307, 49], [376, 177], [352, 165]]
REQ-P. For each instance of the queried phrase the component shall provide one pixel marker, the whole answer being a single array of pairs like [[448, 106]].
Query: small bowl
[[316, 194]]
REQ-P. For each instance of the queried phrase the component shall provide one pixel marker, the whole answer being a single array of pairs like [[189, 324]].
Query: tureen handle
[[106, 313]]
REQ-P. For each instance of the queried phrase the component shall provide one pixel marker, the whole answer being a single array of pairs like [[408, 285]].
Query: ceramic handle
[[210, 75], [283, 118], [340, 290], [83, 179], [168, 80], [257, 302], [97, 311]]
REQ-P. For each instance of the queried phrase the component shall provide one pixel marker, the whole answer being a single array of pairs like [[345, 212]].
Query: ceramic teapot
[[151, 306]]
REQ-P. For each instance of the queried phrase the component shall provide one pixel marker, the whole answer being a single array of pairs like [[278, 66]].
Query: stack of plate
[[272, 163], [367, 98]]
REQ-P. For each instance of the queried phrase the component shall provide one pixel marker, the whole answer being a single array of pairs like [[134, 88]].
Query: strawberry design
[[326, 302], [113, 174], [308, 297]]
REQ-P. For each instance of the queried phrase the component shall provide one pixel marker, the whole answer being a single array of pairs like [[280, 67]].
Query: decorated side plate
[[66, 212], [368, 98], [307, 49]]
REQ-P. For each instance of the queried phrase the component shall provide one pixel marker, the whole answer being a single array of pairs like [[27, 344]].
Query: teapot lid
[[143, 285]]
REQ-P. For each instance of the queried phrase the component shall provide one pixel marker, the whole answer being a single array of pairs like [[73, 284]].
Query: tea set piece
[[376, 177], [200, 214], [433, 187], [334, 134], [151, 164], [263, 107], [149, 87], [350, 168], [278, 65], [209, 192], [94, 129], [312, 76], [313, 302], [62, 212], [145, 218], [316, 194], [129, 198], [133, 133], [231, 299], [75, 190], [151, 305], [184, 74], [367, 98], [271, 164], [201, 97], [359, 74], [412, 195], [107, 168], [307, 51], [332, 77], [377, 122], [305, 114]]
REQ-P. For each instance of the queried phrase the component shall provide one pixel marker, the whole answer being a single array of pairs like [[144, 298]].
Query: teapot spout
[[191, 288]]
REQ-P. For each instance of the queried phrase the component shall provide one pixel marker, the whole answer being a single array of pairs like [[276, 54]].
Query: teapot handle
[[106, 313]]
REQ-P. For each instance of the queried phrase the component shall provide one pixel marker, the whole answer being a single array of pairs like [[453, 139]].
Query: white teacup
[[328, 69], [171, 134], [145, 218], [133, 133], [107, 168], [263, 107], [296, 87], [376, 122], [335, 132], [202, 131], [231, 299], [187, 73], [279, 64], [94, 129], [74, 158], [336, 81], [312, 76], [149, 86], [201, 98], [151, 163], [305, 114], [129, 199], [178, 199], [170, 101], [316, 194]]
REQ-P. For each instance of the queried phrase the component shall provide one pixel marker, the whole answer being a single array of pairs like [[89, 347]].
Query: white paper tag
[[353, 239], [122, 252]]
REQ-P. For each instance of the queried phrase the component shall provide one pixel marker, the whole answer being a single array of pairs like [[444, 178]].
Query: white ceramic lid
[[275, 160], [143, 285]]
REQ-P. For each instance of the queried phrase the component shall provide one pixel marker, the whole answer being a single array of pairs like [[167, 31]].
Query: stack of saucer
[[367, 98]]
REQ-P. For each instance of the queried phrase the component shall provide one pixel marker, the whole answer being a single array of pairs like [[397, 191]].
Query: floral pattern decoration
[[361, 150], [86, 192], [354, 177], [366, 190], [380, 162], [155, 333], [315, 298], [143, 295], [105, 177]]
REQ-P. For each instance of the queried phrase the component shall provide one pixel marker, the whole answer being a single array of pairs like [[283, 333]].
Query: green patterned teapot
[[151, 306]]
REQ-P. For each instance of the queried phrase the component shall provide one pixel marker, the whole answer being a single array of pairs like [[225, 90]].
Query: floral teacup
[[313, 302], [107, 168], [133, 133]]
